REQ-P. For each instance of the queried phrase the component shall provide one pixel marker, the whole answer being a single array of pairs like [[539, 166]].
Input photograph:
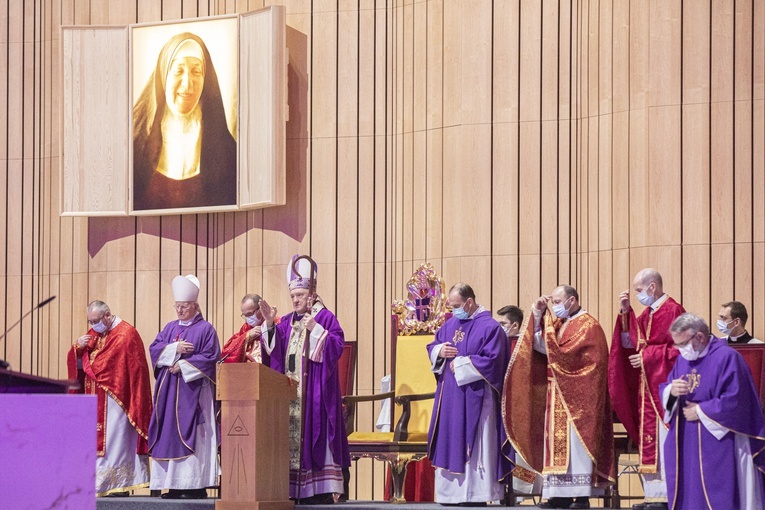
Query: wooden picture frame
[[99, 91]]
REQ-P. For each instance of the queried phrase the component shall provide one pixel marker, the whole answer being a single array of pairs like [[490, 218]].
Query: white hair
[[98, 306]]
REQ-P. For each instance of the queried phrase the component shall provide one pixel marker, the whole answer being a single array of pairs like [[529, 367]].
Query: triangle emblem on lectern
[[238, 428]]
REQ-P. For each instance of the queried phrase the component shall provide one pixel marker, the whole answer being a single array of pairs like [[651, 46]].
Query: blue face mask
[[460, 313], [560, 310], [252, 320]]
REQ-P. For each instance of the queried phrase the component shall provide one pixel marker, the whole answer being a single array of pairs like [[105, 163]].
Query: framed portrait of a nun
[[175, 117], [184, 115]]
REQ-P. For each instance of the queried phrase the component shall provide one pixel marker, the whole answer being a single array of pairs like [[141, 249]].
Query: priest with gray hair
[[110, 362], [717, 431]]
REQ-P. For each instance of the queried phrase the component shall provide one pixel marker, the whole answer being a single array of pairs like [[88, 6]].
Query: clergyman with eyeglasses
[[244, 346], [183, 440], [110, 362]]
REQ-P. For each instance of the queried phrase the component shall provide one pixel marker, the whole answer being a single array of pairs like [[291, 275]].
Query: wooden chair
[[413, 386], [346, 367], [754, 355], [346, 371], [623, 446]]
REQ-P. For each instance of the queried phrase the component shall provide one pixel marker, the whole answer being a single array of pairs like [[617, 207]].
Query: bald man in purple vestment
[[466, 440], [717, 431]]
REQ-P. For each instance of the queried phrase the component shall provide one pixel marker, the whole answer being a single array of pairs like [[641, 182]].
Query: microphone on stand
[[4, 364]]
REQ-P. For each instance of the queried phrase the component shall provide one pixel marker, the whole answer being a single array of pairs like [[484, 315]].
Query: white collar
[[656, 304], [188, 322], [116, 321], [706, 349], [478, 310], [737, 336]]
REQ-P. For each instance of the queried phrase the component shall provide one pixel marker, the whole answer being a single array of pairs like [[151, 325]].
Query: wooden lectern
[[254, 437]]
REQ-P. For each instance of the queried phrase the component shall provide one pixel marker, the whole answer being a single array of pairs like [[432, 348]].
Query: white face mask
[[506, 329], [645, 299], [688, 352], [560, 310], [253, 320], [99, 327]]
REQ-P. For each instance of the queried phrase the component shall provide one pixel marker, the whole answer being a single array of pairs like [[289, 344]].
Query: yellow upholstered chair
[[413, 386]]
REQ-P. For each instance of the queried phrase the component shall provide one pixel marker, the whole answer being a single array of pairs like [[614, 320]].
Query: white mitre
[[186, 288]]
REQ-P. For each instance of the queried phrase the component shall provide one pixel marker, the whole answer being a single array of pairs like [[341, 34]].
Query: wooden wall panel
[[261, 143], [506, 196], [514, 144], [95, 170], [434, 170]]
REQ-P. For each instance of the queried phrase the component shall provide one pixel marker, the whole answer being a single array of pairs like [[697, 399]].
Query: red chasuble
[[238, 350], [635, 392], [573, 393], [115, 363], [235, 350]]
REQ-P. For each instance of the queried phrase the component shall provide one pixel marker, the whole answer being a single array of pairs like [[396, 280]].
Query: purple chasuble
[[323, 418], [454, 423], [172, 430], [701, 470]]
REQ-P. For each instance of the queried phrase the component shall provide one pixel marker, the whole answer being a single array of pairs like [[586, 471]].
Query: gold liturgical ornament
[[425, 309]]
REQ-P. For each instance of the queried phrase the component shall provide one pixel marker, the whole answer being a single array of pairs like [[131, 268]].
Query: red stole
[[635, 392], [116, 364]]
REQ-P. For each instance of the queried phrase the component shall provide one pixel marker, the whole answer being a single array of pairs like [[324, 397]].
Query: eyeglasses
[[96, 321], [183, 307], [245, 315], [687, 341]]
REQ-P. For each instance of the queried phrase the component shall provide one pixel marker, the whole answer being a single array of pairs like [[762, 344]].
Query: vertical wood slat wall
[[516, 144]]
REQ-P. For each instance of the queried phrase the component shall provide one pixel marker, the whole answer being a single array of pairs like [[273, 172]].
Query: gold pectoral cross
[[459, 336], [693, 379]]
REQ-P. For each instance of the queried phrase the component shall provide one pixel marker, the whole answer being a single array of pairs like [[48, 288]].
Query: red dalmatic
[[635, 392]]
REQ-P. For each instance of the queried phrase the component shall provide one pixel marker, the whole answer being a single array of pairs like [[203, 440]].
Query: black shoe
[[193, 494], [557, 503], [119, 494], [580, 502], [638, 506], [185, 494], [656, 506], [317, 499]]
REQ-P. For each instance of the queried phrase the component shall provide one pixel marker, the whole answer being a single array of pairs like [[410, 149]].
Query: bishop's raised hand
[[268, 312]]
